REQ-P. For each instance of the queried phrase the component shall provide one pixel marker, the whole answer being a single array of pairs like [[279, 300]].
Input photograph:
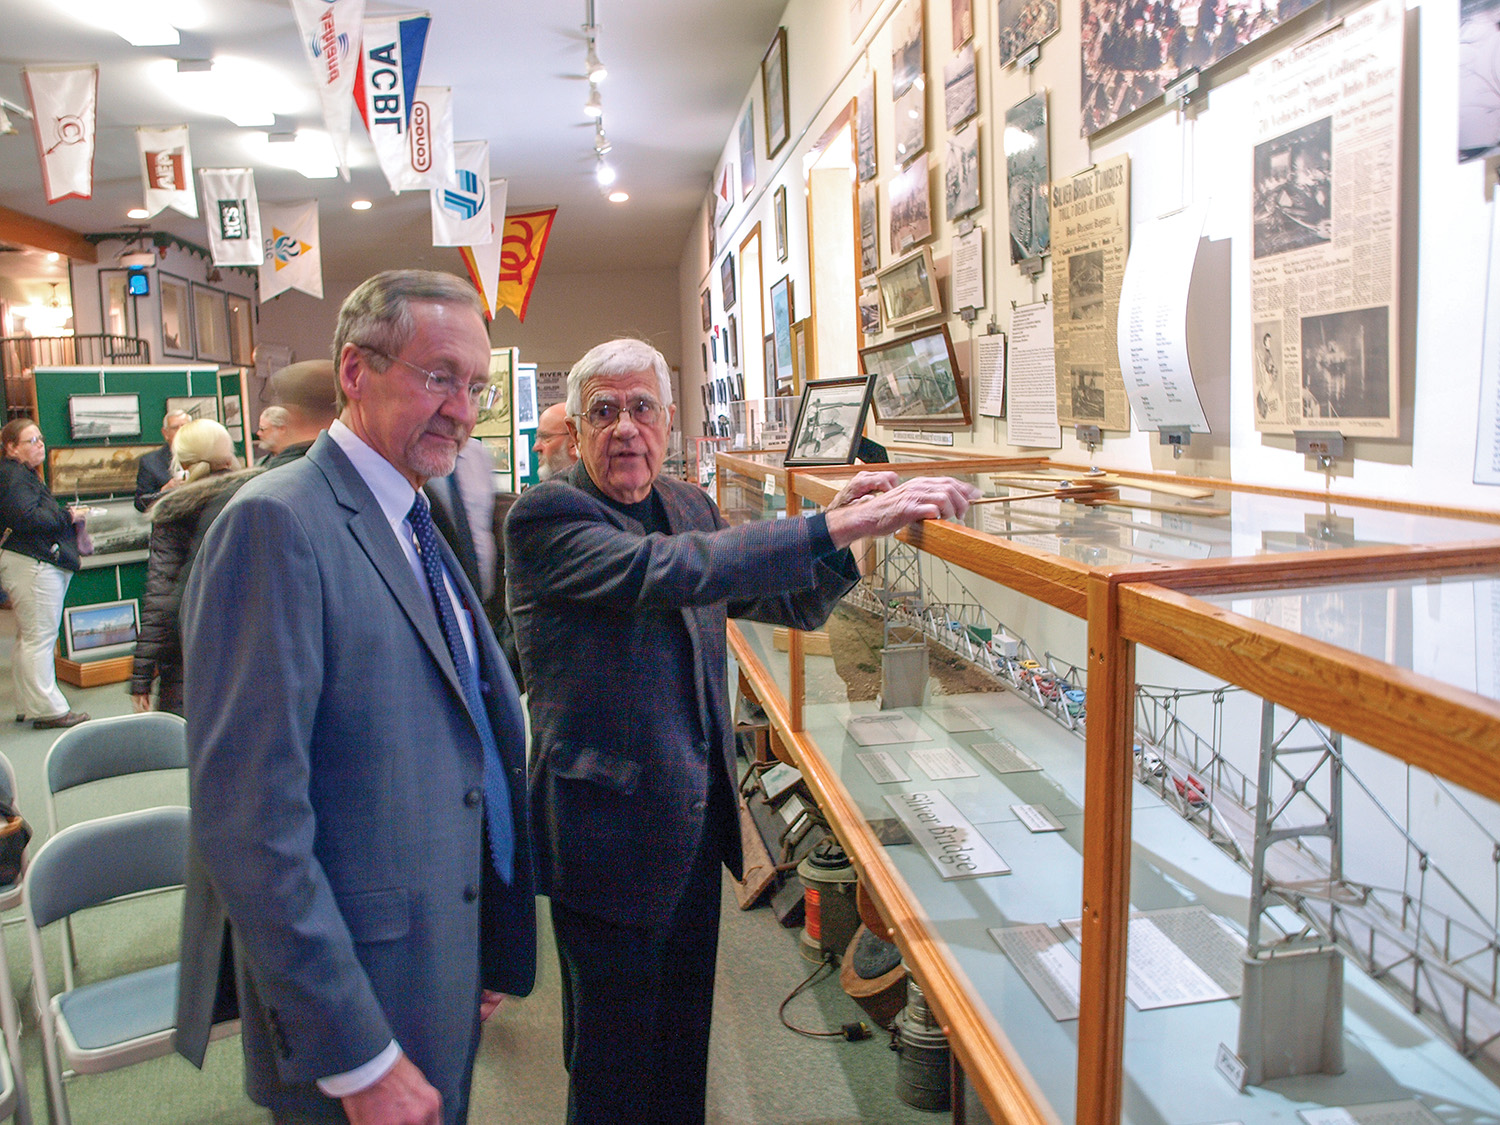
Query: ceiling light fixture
[[137, 213], [361, 205], [595, 69], [601, 142], [619, 196], [593, 107], [141, 24], [603, 173]]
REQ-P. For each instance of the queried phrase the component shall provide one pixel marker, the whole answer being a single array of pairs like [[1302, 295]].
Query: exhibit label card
[[1152, 332], [1031, 388], [953, 844], [968, 270], [941, 764], [882, 767], [1004, 757], [956, 718], [1038, 818], [1325, 251], [992, 375], [885, 729]]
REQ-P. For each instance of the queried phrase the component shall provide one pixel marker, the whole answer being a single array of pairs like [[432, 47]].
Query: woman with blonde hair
[[203, 453]]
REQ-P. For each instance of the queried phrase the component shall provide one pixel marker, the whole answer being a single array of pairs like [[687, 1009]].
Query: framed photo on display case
[[830, 421], [102, 630], [916, 380], [97, 417], [94, 470]]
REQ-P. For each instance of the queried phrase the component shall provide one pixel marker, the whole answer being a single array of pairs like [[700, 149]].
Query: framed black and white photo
[[773, 374], [120, 533], [911, 124], [864, 131], [211, 324], [726, 280], [101, 631], [778, 204], [195, 406], [1026, 178], [747, 152], [909, 290], [176, 316], [960, 88], [961, 172], [706, 309], [803, 366], [906, 47], [869, 311], [869, 230], [773, 90], [1021, 24], [94, 470], [830, 421], [99, 417], [732, 341], [963, 21], [911, 208], [916, 380]]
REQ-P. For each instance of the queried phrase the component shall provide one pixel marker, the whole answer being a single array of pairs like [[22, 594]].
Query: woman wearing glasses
[[37, 562]]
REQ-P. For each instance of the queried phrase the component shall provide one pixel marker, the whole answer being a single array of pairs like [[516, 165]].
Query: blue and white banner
[[331, 36], [389, 66], [233, 216], [461, 206]]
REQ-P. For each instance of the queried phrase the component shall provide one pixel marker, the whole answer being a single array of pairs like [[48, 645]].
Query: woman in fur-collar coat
[[204, 453]]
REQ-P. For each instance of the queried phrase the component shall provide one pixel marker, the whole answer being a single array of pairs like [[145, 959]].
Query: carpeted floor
[[759, 1071]]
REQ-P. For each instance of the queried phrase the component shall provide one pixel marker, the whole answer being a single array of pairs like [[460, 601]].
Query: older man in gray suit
[[356, 744], [619, 583]]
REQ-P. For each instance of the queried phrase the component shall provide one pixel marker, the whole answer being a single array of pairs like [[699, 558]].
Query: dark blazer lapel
[[680, 519], [368, 525]]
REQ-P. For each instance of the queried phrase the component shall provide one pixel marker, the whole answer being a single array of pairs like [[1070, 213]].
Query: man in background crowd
[[154, 476], [556, 451]]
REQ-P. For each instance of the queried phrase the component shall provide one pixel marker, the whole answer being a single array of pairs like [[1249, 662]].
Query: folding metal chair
[[121, 1020], [12, 1071]]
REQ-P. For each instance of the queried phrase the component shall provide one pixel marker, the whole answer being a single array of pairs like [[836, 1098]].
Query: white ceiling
[[678, 73]]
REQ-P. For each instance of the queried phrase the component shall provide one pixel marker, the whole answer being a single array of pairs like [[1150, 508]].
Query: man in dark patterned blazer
[[619, 584]]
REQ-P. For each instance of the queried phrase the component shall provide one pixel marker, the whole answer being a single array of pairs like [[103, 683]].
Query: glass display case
[[1214, 726]]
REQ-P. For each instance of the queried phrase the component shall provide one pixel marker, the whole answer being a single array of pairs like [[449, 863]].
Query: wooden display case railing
[[1452, 733]]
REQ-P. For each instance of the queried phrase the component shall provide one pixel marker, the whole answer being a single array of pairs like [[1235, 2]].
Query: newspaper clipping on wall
[[1324, 277], [1090, 240]]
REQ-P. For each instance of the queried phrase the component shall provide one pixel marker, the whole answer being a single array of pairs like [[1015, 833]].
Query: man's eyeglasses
[[644, 412], [482, 395]]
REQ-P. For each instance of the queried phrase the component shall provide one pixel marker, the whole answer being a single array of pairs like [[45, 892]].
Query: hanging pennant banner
[[483, 260], [293, 253], [233, 216], [429, 142], [461, 207], [521, 252], [64, 111], [167, 170], [386, 87], [330, 38]]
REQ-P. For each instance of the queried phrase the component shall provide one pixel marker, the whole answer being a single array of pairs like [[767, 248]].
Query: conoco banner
[[429, 141], [331, 34], [64, 108], [167, 170]]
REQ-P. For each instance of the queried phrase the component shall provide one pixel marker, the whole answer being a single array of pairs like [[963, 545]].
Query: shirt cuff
[[361, 1077], [820, 542]]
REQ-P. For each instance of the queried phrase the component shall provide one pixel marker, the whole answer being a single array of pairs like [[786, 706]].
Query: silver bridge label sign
[[950, 841]]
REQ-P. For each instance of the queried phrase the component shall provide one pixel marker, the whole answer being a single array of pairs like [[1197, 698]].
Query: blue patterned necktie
[[496, 789]]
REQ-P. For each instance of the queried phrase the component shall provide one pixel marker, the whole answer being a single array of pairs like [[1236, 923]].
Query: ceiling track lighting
[[593, 107], [594, 70]]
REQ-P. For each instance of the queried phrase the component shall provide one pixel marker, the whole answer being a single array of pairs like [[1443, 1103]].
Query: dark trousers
[[637, 1005]]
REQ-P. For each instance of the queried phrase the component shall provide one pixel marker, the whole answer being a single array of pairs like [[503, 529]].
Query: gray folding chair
[[12, 1071], [117, 1021], [101, 749]]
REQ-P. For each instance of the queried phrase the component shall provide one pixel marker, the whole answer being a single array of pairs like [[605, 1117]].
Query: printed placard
[[882, 767], [941, 764], [1038, 818], [953, 844]]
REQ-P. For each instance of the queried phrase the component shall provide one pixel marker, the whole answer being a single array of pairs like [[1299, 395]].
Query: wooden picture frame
[[103, 417], [726, 280], [241, 330], [783, 312], [909, 290], [803, 365], [747, 152], [778, 207], [94, 470], [195, 406], [210, 324], [773, 379], [916, 380], [117, 308], [120, 533], [706, 308], [176, 308], [830, 421], [732, 341], [774, 98]]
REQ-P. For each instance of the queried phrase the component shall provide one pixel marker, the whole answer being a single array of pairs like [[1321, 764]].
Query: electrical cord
[[852, 1032]]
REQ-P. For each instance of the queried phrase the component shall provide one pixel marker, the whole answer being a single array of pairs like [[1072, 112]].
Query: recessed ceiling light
[[619, 196], [137, 213], [361, 205]]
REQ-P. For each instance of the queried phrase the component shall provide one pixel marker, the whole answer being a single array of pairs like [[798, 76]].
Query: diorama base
[[92, 673], [1292, 1016]]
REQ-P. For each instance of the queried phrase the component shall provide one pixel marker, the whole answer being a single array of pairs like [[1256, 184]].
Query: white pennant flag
[[294, 258], [483, 260], [389, 65], [330, 38], [233, 216], [167, 169], [429, 141], [64, 109], [461, 207]]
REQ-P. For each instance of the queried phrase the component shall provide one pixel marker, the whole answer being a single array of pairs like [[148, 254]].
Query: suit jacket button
[[472, 797], [471, 893]]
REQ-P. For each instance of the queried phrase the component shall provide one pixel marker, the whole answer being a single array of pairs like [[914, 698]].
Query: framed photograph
[[747, 152], [869, 230], [739, 385], [704, 346], [233, 414], [211, 324], [495, 422], [726, 280], [1026, 178], [963, 21], [703, 394], [906, 47], [911, 124], [97, 632], [773, 94], [830, 421], [778, 204], [116, 306], [916, 380], [120, 533], [176, 316], [195, 406], [869, 311], [99, 417], [803, 371], [960, 89], [961, 172], [783, 312], [241, 330], [706, 308], [732, 341], [864, 131], [911, 208], [500, 450], [908, 290], [773, 377], [94, 470], [1021, 25], [713, 227]]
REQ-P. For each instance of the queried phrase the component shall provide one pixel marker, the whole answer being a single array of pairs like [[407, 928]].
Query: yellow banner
[[521, 249]]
